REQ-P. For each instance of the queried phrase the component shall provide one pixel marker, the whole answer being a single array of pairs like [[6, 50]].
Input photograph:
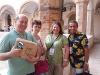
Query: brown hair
[[37, 22], [59, 24]]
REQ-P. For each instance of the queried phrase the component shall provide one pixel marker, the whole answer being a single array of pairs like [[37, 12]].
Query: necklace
[[21, 35]]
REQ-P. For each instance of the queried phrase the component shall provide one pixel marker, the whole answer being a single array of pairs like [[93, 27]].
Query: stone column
[[90, 27], [49, 11], [81, 14]]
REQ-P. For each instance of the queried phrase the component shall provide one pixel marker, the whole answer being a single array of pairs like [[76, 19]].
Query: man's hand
[[86, 67], [15, 53], [8, 55], [65, 63]]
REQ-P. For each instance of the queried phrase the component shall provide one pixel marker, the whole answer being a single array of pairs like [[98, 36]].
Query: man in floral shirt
[[79, 53]]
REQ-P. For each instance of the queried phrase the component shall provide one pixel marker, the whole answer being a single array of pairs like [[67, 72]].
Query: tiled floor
[[94, 62]]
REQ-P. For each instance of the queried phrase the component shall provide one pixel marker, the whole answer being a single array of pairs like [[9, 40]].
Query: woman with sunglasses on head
[[56, 42]]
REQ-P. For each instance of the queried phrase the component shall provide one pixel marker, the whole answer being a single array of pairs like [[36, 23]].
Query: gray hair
[[21, 15]]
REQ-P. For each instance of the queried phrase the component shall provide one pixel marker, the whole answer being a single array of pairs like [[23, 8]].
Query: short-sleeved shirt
[[77, 44], [17, 66], [58, 44]]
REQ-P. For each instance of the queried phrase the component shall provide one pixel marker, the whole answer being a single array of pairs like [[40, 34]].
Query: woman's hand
[[65, 63], [42, 58]]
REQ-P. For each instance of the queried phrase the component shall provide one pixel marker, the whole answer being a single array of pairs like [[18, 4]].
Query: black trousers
[[31, 74], [85, 73]]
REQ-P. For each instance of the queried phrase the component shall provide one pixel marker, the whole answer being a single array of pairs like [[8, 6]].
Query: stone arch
[[30, 9], [70, 16], [70, 6], [97, 8], [5, 11], [95, 3], [70, 10]]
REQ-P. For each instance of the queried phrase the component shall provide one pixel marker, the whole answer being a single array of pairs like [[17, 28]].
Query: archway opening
[[9, 20]]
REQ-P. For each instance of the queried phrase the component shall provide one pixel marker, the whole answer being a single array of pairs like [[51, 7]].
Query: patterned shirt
[[77, 43]]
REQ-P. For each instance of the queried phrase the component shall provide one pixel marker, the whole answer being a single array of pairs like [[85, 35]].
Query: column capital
[[84, 1]]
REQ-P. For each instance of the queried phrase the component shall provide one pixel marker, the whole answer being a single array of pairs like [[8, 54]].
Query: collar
[[18, 33]]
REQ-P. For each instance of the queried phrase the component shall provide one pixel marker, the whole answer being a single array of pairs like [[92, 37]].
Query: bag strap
[[53, 42]]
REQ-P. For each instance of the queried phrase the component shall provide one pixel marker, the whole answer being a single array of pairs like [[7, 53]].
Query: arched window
[[9, 20]]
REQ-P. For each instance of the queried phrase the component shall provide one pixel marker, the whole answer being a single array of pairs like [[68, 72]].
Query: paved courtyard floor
[[94, 62]]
